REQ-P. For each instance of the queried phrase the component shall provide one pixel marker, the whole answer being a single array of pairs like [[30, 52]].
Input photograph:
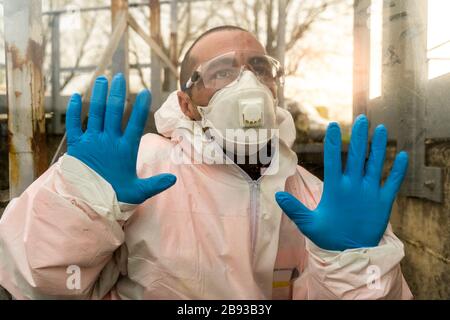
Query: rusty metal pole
[[25, 90], [57, 123]]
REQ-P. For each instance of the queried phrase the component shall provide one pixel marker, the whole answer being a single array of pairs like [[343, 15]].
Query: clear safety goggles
[[226, 68]]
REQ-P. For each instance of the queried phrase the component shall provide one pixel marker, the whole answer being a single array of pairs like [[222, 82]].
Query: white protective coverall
[[216, 234]]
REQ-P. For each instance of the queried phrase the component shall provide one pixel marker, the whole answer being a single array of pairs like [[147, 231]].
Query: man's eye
[[263, 71], [222, 74]]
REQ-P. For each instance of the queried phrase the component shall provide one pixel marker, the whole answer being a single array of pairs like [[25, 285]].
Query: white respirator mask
[[241, 116]]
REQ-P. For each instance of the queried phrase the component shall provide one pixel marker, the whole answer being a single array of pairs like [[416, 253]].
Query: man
[[93, 227]]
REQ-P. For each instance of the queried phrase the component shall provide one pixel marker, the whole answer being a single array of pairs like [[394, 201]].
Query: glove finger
[[73, 118], [396, 177], [97, 105], [295, 210], [374, 166], [138, 118], [156, 184], [357, 150], [332, 154], [115, 106]]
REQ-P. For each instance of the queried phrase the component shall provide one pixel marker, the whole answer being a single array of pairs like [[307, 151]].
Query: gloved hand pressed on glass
[[105, 148], [354, 209]]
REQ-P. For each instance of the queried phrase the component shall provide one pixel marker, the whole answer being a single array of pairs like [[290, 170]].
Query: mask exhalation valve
[[251, 112]]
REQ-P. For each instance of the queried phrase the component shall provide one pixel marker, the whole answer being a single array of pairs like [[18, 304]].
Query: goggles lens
[[220, 71]]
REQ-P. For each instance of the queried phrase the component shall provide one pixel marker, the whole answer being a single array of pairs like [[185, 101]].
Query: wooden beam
[[152, 43], [281, 44], [155, 70], [173, 40]]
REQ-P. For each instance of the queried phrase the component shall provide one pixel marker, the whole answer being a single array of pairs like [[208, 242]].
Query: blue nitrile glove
[[354, 209], [105, 149]]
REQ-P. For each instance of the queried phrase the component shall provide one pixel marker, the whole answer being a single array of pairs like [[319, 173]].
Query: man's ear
[[186, 105]]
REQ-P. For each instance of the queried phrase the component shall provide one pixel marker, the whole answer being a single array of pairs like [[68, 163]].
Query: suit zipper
[[254, 211], [254, 207]]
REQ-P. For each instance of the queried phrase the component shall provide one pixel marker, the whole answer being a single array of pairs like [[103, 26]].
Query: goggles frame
[[274, 63]]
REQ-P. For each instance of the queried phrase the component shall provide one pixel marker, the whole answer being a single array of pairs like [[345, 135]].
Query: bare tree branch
[[300, 30], [90, 24], [139, 70]]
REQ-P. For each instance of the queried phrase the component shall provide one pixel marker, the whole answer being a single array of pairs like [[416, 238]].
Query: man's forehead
[[224, 41]]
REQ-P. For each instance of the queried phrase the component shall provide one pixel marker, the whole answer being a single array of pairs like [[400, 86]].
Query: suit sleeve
[[368, 273], [63, 238]]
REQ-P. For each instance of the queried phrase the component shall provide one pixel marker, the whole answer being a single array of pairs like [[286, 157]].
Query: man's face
[[211, 46]]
